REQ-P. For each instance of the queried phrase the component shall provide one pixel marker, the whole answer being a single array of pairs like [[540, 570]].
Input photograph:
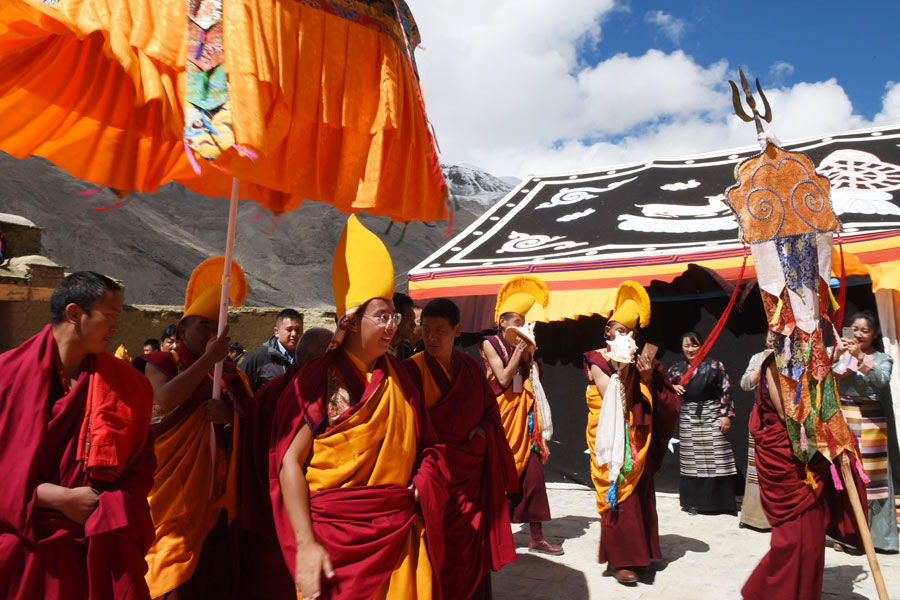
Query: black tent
[[663, 224]]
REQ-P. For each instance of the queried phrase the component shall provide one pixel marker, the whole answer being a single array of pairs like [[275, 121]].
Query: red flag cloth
[[42, 553], [477, 533], [800, 515], [363, 550]]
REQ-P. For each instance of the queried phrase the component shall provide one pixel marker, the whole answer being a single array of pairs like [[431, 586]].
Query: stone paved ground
[[704, 557]]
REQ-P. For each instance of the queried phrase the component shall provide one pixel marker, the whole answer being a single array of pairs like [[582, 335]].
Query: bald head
[[313, 344]]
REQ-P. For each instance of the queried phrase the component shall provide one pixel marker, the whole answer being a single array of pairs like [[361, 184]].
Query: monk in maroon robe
[[357, 480], [800, 514], [263, 573], [466, 419], [629, 534], [376, 477], [193, 500], [632, 413], [365, 529], [74, 520]]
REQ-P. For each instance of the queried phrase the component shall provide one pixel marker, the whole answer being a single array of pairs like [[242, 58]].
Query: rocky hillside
[[153, 242]]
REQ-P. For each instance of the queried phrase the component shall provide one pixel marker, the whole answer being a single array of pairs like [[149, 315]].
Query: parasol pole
[[869, 547], [223, 318], [226, 283]]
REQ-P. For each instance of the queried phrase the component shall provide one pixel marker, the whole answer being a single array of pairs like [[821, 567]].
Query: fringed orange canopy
[[330, 107]]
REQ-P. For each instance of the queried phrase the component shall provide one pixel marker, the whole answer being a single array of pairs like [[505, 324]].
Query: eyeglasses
[[386, 319]]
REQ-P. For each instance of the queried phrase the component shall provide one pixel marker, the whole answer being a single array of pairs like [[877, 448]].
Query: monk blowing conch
[[514, 377], [629, 426], [463, 409], [801, 503], [358, 483], [194, 497], [76, 457]]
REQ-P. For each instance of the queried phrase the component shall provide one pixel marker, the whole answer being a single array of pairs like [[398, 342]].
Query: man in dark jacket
[[275, 356]]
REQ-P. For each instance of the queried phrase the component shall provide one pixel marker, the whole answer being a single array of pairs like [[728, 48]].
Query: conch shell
[[621, 348], [526, 332]]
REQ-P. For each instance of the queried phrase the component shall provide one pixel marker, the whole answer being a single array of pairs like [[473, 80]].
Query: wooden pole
[[223, 321], [850, 484]]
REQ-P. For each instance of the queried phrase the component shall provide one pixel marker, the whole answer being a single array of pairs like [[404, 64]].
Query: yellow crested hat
[[519, 294], [632, 305], [201, 299], [122, 353], [361, 268]]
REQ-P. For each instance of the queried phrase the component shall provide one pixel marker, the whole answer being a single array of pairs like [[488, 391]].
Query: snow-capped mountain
[[474, 187]]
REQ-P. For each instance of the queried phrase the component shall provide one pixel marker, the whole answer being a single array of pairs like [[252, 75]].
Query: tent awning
[[583, 233]]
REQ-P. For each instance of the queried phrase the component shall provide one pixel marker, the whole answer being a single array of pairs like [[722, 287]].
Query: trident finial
[[748, 93]]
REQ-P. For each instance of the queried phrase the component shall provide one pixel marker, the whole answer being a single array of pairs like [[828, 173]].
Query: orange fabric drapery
[[330, 106]]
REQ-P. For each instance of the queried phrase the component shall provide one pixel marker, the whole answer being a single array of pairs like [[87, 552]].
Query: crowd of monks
[[354, 475]]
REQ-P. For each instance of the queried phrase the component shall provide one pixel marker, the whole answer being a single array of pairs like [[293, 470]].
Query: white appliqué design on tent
[[861, 182], [524, 242], [680, 185], [680, 218], [574, 195], [576, 215]]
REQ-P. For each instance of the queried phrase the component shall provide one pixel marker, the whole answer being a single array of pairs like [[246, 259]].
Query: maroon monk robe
[[217, 566], [263, 574], [477, 534], [800, 516], [362, 528], [233, 381], [42, 553], [629, 534]]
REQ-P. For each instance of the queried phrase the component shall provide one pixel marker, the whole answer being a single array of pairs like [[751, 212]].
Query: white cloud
[[669, 26], [890, 104], [506, 91], [625, 91], [780, 70]]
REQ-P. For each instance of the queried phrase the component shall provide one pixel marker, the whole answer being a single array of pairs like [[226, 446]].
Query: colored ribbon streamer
[[707, 345]]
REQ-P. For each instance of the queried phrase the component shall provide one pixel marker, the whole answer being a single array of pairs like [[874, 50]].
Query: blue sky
[[857, 43], [527, 86]]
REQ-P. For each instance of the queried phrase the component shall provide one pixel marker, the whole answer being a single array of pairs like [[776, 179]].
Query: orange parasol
[[271, 100], [299, 100]]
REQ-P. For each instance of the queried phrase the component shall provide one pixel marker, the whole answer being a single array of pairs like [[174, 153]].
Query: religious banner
[[784, 212]]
